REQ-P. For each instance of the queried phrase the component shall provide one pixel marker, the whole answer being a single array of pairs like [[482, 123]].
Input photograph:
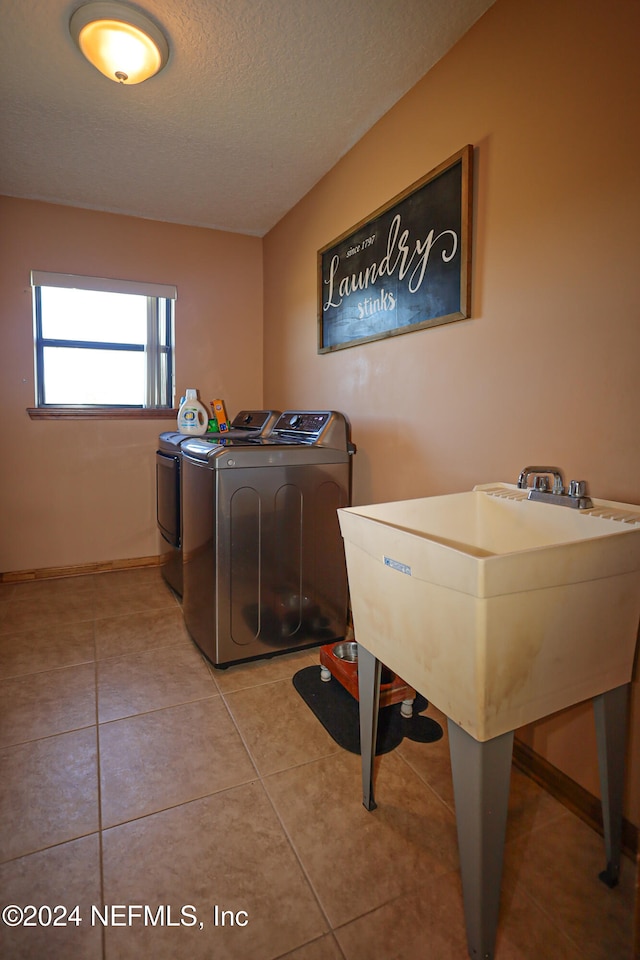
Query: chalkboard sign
[[406, 267]]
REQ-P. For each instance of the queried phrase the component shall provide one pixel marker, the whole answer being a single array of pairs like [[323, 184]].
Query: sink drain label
[[396, 565]]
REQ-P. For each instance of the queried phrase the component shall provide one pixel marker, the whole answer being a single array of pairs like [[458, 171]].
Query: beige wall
[[84, 492], [547, 368]]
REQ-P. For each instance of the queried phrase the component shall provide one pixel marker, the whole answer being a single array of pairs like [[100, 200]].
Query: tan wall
[[547, 368], [84, 492]]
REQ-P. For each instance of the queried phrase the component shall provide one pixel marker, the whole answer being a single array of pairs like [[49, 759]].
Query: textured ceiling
[[259, 99]]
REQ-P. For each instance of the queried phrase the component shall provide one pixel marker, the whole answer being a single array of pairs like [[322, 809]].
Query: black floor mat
[[337, 711]]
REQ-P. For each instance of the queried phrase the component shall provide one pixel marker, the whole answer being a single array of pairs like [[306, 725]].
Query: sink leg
[[610, 711], [369, 669], [481, 775]]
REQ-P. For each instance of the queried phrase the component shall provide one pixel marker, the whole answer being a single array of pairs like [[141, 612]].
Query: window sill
[[100, 413]]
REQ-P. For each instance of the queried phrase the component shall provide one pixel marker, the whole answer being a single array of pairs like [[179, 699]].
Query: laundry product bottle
[[193, 416]]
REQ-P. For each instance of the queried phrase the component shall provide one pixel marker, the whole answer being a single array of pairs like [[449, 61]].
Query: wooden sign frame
[[405, 267]]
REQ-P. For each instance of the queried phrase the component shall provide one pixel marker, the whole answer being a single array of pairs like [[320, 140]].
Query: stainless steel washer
[[264, 567], [247, 424]]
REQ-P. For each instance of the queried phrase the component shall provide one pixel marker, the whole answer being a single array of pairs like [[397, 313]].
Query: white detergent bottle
[[193, 417]]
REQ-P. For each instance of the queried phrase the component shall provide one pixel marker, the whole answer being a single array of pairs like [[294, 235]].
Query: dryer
[[246, 424]]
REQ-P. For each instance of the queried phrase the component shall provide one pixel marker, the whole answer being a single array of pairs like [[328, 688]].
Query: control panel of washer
[[323, 428], [256, 421], [305, 425]]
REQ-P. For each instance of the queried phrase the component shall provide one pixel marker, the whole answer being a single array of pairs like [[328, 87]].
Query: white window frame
[[160, 311]]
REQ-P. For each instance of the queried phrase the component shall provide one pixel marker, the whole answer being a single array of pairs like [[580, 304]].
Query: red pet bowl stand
[[394, 690]]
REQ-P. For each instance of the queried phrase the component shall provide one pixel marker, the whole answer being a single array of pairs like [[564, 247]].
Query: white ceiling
[[259, 99]]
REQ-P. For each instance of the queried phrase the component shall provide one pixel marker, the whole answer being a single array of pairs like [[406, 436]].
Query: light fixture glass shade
[[120, 42]]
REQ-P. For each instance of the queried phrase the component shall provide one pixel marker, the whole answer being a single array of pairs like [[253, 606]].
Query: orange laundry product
[[220, 414]]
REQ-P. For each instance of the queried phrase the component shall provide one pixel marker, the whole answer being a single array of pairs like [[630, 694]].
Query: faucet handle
[[577, 488], [540, 482]]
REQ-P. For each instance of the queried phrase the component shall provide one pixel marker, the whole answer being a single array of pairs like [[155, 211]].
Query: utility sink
[[499, 609]]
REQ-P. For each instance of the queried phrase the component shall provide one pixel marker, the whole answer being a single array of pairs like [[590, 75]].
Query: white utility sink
[[500, 610]]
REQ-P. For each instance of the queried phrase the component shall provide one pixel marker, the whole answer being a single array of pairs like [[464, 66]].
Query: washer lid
[[201, 448], [171, 441], [263, 456]]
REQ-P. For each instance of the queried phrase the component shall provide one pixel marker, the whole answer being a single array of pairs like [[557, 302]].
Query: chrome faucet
[[556, 472], [573, 496]]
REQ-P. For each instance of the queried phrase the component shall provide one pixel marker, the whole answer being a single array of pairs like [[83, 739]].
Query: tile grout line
[[291, 953], [302, 867], [135, 653], [99, 784], [448, 806], [285, 833], [215, 694], [168, 706], [37, 673], [292, 766], [559, 927], [180, 803], [242, 739]]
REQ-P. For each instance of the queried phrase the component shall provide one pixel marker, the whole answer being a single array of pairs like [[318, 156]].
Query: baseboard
[[636, 915], [570, 794], [79, 570]]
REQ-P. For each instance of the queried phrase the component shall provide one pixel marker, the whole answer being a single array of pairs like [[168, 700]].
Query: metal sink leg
[[611, 709], [369, 670], [481, 775]]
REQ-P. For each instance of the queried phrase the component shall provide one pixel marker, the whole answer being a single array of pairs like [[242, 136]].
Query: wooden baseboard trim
[[636, 915], [570, 794], [79, 570]]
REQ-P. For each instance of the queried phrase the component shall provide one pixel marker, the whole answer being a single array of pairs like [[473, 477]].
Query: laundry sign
[[406, 267]]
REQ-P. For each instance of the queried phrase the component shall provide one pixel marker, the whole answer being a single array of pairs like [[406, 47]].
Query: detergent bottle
[[193, 416]]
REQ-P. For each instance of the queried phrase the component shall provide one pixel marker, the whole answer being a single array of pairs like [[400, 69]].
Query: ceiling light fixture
[[120, 42]]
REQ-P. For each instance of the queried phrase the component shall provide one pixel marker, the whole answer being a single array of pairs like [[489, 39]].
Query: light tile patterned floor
[[133, 774]]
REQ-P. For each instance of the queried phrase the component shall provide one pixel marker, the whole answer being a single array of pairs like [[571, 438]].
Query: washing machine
[[248, 423], [264, 566]]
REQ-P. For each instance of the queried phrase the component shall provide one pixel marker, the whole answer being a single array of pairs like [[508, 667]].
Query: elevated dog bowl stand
[[481, 774], [346, 673]]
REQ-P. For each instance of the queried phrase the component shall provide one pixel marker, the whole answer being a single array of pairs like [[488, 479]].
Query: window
[[102, 343]]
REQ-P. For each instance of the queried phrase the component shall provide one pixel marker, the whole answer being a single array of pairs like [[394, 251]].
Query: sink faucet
[[556, 472], [574, 496]]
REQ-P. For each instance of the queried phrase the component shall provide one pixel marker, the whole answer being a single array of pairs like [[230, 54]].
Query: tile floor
[[132, 774]]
